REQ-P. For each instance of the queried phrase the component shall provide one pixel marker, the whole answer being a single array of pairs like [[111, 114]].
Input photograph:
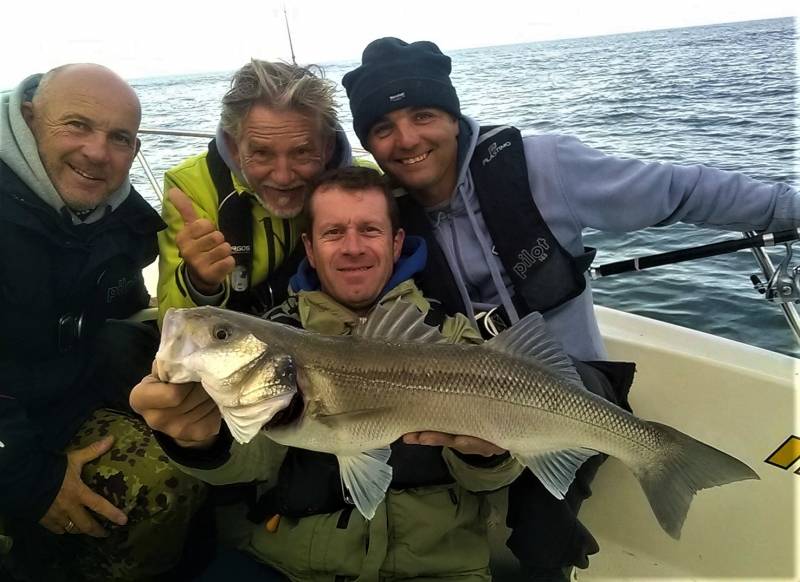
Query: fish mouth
[[175, 347]]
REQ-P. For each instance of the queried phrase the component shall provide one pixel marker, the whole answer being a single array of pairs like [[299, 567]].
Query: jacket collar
[[319, 312]]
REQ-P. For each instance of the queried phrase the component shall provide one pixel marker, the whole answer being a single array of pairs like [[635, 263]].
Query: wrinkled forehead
[[282, 128]]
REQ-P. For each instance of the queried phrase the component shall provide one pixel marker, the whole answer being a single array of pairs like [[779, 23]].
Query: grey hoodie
[[19, 151], [577, 187]]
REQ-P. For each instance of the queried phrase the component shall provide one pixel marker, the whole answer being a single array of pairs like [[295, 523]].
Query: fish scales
[[356, 374]]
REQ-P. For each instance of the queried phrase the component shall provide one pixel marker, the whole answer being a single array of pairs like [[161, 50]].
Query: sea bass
[[397, 375]]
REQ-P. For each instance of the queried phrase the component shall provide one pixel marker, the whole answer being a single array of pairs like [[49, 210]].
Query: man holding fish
[[432, 524]]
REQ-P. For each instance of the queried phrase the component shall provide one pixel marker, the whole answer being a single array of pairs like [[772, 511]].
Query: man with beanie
[[503, 216], [85, 491]]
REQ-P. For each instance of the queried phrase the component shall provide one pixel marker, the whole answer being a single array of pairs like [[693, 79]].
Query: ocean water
[[721, 95]]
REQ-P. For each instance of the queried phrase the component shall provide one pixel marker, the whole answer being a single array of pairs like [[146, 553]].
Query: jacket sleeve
[[633, 194], [489, 477], [230, 462], [173, 284], [30, 476]]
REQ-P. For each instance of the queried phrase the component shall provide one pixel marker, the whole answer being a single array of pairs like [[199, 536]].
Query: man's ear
[[309, 250], [138, 147], [397, 244], [27, 113]]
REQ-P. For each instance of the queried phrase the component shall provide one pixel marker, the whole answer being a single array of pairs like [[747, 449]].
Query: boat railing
[[768, 268], [155, 184]]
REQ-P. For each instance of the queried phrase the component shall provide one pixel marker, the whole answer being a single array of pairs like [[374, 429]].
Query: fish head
[[221, 350]]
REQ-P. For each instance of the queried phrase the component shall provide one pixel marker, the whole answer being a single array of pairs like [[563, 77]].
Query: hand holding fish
[[202, 246], [463, 444], [68, 512], [184, 412]]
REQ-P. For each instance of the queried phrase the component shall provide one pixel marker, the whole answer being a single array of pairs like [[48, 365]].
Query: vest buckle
[[70, 330], [492, 322]]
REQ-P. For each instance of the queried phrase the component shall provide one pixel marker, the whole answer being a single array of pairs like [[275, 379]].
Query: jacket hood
[[468, 130], [342, 152], [19, 151], [413, 257]]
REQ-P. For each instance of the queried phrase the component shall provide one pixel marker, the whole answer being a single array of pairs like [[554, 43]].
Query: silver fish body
[[396, 376]]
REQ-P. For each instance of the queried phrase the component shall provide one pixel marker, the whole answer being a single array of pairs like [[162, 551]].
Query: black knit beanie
[[393, 75]]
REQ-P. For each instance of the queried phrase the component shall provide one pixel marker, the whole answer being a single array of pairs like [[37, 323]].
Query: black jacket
[[52, 272]]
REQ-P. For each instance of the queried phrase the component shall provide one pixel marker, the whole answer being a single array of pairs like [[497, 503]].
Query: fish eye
[[222, 332]]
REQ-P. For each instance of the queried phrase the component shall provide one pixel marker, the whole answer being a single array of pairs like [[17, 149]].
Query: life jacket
[[543, 274], [236, 225]]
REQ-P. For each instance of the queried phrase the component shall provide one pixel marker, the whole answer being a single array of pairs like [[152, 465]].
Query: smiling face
[[418, 147], [351, 245], [84, 120], [279, 153]]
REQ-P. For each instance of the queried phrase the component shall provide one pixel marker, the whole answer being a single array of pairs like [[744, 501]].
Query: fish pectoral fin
[[366, 476], [555, 469]]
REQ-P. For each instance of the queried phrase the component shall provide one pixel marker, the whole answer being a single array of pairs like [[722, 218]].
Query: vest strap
[[544, 275], [236, 224]]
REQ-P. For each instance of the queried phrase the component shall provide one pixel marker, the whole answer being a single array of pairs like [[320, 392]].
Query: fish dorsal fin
[[366, 476], [556, 469], [402, 321], [530, 337]]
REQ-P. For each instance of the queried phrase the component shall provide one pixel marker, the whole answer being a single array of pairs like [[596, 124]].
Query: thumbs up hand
[[202, 246]]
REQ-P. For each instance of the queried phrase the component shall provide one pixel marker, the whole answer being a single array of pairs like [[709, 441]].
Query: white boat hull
[[738, 398]]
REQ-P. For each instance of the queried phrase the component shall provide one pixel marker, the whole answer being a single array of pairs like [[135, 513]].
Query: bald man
[[84, 490]]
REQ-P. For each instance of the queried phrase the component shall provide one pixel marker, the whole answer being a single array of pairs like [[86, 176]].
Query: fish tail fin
[[685, 467]]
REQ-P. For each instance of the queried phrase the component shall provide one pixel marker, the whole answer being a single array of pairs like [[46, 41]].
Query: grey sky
[[150, 38]]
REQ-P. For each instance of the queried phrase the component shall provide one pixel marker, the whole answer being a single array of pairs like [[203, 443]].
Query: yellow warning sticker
[[787, 454]]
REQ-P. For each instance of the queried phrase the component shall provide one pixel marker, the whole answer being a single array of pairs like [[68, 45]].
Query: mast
[[289, 34]]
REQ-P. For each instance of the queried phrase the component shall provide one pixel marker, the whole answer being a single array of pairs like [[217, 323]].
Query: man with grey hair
[[232, 212], [85, 491]]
